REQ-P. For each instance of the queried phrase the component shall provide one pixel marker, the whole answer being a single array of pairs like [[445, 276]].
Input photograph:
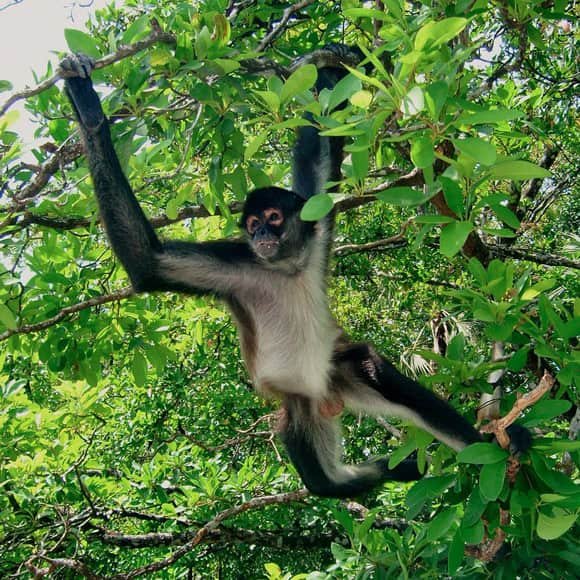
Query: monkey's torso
[[287, 331]]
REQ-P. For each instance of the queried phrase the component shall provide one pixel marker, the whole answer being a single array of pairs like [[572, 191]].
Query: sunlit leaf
[[299, 81], [517, 170], [434, 34], [317, 207], [553, 525], [81, 42], [478, 149], [482, 454], [453, 237]]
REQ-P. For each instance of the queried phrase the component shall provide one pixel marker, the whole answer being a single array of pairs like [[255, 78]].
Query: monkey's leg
[[377, 388], [313, 443]]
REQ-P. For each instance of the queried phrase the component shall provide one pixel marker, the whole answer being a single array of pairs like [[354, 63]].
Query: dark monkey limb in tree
[[274, 282]]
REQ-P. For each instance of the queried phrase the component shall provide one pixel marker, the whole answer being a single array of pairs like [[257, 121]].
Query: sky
[[29, 31]]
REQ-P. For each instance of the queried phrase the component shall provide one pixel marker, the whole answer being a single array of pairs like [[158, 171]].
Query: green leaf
[[139, 369], [557, 523], [365, 78], [482, 454], [456, 553], [254, 145], [434, 34], [274, 571], [422, 153], [517, 169], [5, 86], [473, 534], [343, 90], [518, 360], [488, 117], [491, 480], [428, 488], [346, 130], [402, 196], [477, 271], [453, 237], [354, 13], [474, 509], [433, 219], [453, 195], [439, 525], [172, 208], [360, 163], [137, 29], [479, 149], [271, 99], [317, 207], [507, 216], [7, 317], [564, 501], [79, 41], [299, 81], [362, 99], [435, 97], [545, 410]]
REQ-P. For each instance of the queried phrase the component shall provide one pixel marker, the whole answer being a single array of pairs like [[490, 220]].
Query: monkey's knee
[[330, 408]]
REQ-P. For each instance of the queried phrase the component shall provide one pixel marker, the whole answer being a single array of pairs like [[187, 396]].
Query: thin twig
[[277, 30]]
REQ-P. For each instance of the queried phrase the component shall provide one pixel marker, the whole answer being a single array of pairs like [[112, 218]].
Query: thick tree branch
[[271, 539], [531, 256], [396, 241], [66, 153]]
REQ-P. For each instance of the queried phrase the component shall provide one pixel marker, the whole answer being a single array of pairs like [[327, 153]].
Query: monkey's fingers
[[76, 65]]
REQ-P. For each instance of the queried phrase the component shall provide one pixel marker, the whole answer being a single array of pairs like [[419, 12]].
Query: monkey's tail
[[313, 443]]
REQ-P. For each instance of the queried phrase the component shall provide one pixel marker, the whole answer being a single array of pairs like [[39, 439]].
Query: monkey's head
[[272, 224]]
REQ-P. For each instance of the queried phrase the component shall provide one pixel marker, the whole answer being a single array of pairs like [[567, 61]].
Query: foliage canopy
[[130, 441]]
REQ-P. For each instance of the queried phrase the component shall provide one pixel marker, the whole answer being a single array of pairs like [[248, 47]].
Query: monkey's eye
[[252, 224], [274, 217]]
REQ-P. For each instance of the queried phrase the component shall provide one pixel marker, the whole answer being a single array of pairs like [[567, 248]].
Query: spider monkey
[[273, 279]]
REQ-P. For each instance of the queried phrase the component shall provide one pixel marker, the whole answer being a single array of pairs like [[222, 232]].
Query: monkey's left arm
[[218, 267]]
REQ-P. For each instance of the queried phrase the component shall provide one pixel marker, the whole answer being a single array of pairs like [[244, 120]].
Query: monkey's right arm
[[209, 267]]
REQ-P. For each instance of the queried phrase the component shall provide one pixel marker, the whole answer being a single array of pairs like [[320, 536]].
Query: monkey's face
[[265, 231], [272, 224]]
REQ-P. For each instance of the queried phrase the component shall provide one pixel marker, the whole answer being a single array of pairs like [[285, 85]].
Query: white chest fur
[[294, 331], [294, 341]]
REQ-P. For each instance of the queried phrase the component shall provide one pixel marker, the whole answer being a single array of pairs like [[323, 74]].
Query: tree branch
[[98, 300], [498, 426], [277, 30], [156, 35], [207, 529], [531, 256]]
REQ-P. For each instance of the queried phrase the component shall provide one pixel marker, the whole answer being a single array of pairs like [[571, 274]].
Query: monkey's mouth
[[267, 248]]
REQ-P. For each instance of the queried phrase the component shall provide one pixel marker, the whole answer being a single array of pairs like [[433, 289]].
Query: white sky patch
[[30, 33]]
